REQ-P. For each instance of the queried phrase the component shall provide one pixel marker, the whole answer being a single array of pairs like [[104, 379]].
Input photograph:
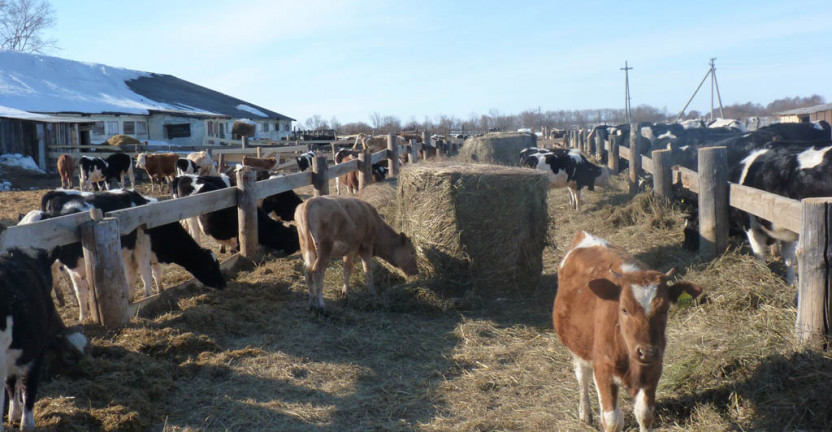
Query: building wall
[[114, 125], [822, 115], [157, 123]]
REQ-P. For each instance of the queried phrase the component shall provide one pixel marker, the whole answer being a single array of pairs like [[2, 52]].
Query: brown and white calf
[[159, 166], [611, 312], [66, 169], [261, 163], [332, 227]]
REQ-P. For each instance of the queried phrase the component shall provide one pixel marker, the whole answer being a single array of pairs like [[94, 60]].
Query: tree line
[[536, 119]]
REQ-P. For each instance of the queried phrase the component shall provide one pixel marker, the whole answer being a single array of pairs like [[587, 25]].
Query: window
[[129, 127], [112, 128], [98, 128], [141, 128], [178, 130], [210, 128], [222, 129], [265, 127]]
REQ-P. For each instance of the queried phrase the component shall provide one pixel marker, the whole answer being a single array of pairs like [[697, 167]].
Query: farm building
[[807, 114], [93, 102]]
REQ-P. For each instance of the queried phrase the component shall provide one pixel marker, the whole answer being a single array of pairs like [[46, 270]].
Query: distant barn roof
[[51, 85], [807, 110]]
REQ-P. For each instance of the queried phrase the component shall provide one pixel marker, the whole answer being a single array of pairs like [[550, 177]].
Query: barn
[[93, 102], [807, 114]]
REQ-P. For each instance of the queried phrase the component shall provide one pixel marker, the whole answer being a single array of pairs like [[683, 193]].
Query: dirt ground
[[251, 357]]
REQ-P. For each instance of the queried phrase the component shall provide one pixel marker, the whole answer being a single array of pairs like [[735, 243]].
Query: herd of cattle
[[615, 329]]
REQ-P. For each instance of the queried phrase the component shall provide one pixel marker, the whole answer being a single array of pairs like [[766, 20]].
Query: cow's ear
[[403, 238], [605, 289], [675, 290]]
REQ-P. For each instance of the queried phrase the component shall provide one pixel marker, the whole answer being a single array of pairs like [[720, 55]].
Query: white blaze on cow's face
[[141, 160]]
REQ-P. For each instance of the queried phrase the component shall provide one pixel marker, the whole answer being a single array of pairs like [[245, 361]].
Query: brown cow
[[331, 227], [266, 164], [611, 312], [350, 179], [66, 169], [158, 166]]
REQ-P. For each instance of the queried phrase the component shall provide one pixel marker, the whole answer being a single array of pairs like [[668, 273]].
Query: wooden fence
[[811, 218], [100, 234]]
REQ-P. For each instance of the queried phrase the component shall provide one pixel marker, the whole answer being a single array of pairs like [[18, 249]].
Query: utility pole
[[627, 70], [714, 85]]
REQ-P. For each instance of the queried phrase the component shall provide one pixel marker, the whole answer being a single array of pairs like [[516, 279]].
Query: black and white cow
[[531, 151], [305, 161], [30, 328], [570, 169], [222, 226], [281, 206], [186, 166], [95, 170]]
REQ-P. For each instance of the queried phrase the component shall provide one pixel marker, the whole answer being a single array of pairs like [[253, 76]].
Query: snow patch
[[18, 160]]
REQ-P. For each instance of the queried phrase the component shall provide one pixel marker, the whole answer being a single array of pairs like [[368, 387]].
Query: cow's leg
[[78, 277], [787, 251], [583, 371], [156, 268], [142, 255], [193, 227], [367, 263], [324, 252], [5, 342], [337, 185], [132, 177], [757, 239], [13, 390], [611, 418], [577, 199], [56, 271], [644, 408], [30, 392], [347, 270]]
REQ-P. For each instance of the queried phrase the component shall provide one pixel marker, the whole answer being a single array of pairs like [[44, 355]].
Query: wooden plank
[[46, 234], [624, 152], [646, 164], [247, 213], [73, 147], [342, 168], [780, 210], [282, 184], [226, 267], [378, 156], [165, 212], [105, 270]]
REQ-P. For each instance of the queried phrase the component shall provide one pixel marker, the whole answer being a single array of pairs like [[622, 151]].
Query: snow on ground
[[18, 160]]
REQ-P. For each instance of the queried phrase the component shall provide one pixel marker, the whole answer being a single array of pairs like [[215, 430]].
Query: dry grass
[[252, 357]]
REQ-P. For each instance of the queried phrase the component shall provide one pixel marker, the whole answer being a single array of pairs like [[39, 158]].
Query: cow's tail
[[306, 240]]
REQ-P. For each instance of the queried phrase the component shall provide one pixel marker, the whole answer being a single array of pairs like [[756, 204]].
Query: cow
[[260, 163], [186, 166], [610, 311], [281, 206], [159, 166], [305, 161], [333, 227], [30, 328], [222, 226], [66, 169], [379, 171], [95, 170], [204, 162], [528, 152], [373, 143], [570, 169]]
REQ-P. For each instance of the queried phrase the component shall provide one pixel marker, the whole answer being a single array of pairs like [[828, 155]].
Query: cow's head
[[141, 160], [643, 299], [70, 347], [603, 179], [404, 256]]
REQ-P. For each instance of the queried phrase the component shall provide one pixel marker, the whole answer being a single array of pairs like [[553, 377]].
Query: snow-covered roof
[[51, 85], [6, 112], [806, 110]]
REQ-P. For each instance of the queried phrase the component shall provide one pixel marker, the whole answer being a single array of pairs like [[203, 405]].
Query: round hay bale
[[243, 128], [476, 226], [497, 148], [122, 140]]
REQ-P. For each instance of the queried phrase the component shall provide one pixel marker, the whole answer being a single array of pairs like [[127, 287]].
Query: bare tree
[[376, 119], [22, 23], [316, 122]]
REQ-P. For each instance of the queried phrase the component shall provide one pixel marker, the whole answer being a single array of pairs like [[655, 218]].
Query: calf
[[570, 169], [95, 170], [261, 163], [305, 161], [611, 313], [159, 166], [350, 179], [281, 206], [332, 227], [66, 169], [30, 327], [222, 224], [204, 163], [186, 166]]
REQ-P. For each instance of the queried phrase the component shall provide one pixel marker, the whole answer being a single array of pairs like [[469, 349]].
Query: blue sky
[[414, 59]]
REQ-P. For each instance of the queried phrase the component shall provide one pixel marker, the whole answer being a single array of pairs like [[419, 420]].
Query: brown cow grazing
[[253, 162], [66, 169], [158, 166], [331, 227], [611, 312]]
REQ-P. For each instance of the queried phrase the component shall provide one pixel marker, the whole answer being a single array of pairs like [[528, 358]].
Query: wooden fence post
[[393, 155], [108, 289], [713, 201], [259, 153], [247, 212], [414, 151], [612, 160], [320, 178], [635, 160], [365, 169], [662, 174], [220, 162], [814, 276], [244, 142], [599, 147]]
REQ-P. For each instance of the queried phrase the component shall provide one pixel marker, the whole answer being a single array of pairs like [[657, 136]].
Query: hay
[[121, 140], [475, 226], [496, 148], [241, 128]]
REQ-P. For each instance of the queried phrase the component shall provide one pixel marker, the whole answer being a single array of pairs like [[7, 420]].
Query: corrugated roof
[[807, 110], [11, 113]]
